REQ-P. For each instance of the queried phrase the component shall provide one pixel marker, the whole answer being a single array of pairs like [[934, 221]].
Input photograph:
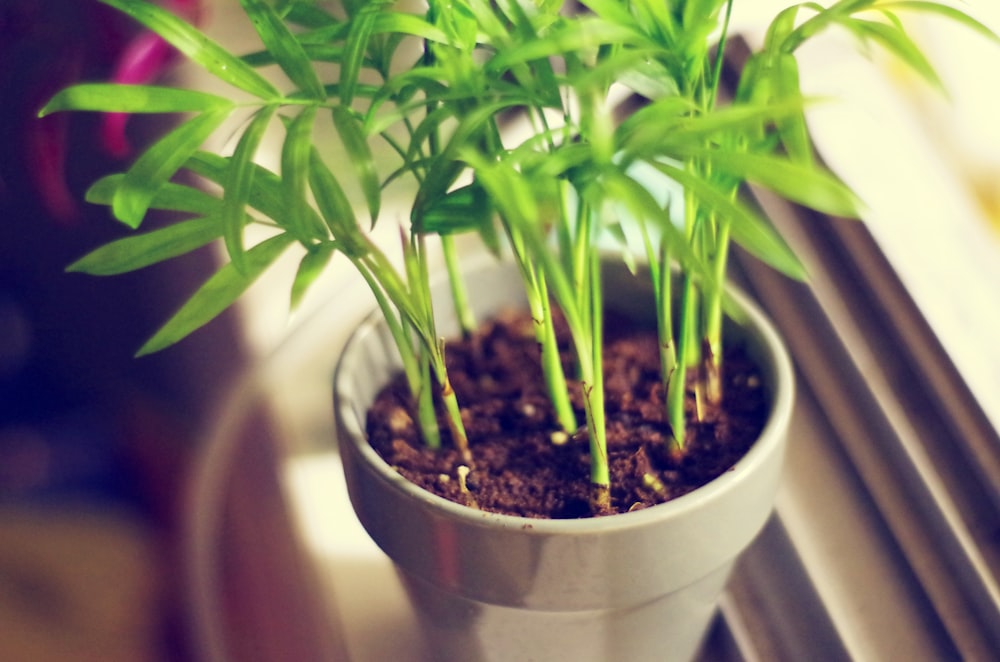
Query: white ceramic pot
[[638, 586]]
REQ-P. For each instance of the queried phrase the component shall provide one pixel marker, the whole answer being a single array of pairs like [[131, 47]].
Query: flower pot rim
[[780, 374]]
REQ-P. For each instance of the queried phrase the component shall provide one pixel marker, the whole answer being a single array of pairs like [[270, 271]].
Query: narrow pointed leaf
[[362, 27], [295, 154], [217, 294], [158, 164], [115, 98], [266, 194], [170, 196], [748, 228], [944, 10], [799, 183], [284, 46], [462, 210], [411, 24], [897, 42], [792, 127], [239, 183], [837, 13], [643, 207], [359, 152], [335, 208], [197, 46], [311, 266], [142, 250]]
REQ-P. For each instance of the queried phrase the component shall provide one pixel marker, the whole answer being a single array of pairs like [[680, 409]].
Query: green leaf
[[837, 13], [359, 152], [642, 208], [780, 28], [943, 10], [141, 250], [114, 98], [792, 127], [362, 28], [461, 210], [239, 183], [295, 154], [285, 48], [266, 195], [217, 294], [335, 208], [749, 229], [313, 264], [897, 42], [171, 196], [794, 181], [393, 22], [158, 164], [197, 46], [580, 35]]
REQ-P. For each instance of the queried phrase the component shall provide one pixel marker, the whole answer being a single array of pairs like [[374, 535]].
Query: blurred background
[[96, 446], [93, 443]]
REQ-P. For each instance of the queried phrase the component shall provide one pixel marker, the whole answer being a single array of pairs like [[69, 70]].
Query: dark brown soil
[[518, 470]]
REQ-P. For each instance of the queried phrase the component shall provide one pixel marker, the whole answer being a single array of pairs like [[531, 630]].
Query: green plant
[[438, 85]]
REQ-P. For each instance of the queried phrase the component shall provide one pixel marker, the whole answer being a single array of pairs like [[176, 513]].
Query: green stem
[[539, 303], [426, 412], [552, 368], [665, 317], [593, 385], [454, 413], [418, 272], [459, 295], [677, 388], [712, 359], [415, 370]]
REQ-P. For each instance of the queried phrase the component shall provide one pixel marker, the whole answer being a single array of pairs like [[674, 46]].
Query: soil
[[517, 469]]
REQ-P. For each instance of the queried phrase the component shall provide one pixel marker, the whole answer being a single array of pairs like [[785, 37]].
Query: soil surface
[[517, 469]]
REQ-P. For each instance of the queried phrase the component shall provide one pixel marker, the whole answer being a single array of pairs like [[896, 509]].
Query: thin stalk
[[454, 413], [593, 391], [459, 293], [539, 304], [414, 368], [661, 277], [415, 262], [552, 368], [719, 56], [426, 412], [712, 350], [676, 390], [665, 318]]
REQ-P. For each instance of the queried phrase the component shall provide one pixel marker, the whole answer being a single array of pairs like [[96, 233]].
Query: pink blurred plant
[[140, 60], [143, 60]]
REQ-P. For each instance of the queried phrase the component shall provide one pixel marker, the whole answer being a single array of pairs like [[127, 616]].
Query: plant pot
[[638, 586]]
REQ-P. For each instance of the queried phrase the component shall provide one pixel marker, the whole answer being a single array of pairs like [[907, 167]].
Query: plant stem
[[435, 347], [459, 294], [663, 288], [537, 291], [712, 356], [552, 368], [677, 387], [416, 370], [426, 412], [593, 385], [453, 411]]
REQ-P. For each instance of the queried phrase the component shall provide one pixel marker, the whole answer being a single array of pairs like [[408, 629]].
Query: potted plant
[[579, 198]]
